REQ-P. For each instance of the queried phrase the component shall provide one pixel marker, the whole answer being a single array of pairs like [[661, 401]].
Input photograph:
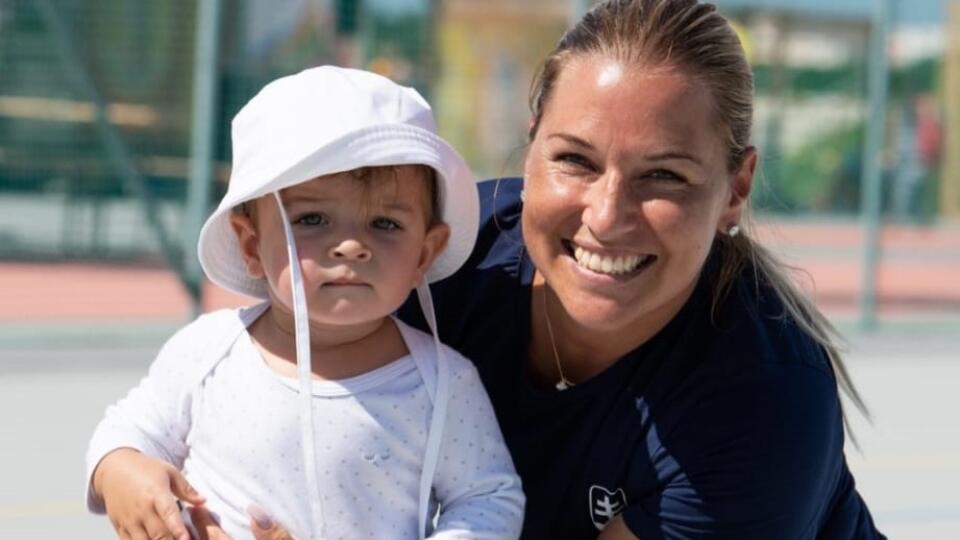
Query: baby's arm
[[476, 484], [138, 447]]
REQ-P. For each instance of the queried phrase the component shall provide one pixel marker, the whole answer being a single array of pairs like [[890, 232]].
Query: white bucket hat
[[326, 120], [322, 121]]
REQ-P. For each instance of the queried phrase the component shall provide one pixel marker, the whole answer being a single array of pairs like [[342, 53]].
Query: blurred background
[[115, 145]]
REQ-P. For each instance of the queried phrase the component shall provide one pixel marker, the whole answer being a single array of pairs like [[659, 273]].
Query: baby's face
[[363, 243]]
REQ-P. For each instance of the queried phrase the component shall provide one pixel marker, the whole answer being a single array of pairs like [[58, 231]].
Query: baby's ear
[[434, 242], [246, 230]]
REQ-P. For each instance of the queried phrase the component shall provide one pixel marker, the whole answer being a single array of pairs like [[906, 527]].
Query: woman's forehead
[[647, 89], [596, 97]]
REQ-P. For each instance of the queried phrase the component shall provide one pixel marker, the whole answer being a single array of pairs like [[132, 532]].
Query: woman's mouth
[[617, 265]]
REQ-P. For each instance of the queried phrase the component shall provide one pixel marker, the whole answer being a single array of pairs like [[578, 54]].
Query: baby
[[317, 407]]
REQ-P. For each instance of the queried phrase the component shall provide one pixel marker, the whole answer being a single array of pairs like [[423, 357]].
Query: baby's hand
[[141, 495]]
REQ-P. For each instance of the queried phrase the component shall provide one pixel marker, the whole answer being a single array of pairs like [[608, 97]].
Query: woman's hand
[[140, 494], [617, 530], [262, 526]]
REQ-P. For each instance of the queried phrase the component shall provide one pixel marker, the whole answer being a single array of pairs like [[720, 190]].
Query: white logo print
[[604, 505]]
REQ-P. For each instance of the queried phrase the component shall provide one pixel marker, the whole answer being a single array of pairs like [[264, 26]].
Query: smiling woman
[[655, 374]]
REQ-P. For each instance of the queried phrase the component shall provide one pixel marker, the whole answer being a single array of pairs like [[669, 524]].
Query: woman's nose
[[607, 211], [351, 249]]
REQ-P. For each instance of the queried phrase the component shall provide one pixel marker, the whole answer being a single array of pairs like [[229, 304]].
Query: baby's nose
[[351, 250]]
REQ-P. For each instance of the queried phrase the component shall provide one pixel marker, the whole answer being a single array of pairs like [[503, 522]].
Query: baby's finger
[[170, 521], [182, 489], [156, 529], [120, 530], [137, 532]]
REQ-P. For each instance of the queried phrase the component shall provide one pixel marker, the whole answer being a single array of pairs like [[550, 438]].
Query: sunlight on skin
[[610, 74]]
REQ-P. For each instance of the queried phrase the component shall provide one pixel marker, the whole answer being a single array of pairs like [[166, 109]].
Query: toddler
[[317, 406]]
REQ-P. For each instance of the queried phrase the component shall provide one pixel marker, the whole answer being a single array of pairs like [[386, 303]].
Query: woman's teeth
[[605, 264]]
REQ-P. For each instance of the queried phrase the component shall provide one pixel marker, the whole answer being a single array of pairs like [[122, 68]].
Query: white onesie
[[232, 426]]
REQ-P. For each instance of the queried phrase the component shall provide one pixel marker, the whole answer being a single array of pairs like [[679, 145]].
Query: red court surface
[[919, 275]]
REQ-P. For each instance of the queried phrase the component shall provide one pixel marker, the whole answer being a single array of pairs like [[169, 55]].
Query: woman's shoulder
[[760, 366], [748, 357], [499, 240], [755, 329], [495, 271]]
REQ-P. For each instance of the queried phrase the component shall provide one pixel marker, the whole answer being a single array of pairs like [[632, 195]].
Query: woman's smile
[[619, 265]]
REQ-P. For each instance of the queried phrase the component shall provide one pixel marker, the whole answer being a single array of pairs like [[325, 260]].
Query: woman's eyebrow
[[665, 155], [573, 139], [672, 155]]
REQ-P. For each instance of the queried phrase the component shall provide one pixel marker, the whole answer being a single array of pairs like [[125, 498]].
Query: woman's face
[[626, 185]]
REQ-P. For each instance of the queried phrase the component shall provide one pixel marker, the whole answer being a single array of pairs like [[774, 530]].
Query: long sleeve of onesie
[[154, 417], [478, 489]]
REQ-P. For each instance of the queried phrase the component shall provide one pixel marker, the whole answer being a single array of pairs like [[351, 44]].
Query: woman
[[655, 373]]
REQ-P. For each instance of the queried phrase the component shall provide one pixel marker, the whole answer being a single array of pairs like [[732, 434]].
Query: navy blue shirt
[[717, 427]]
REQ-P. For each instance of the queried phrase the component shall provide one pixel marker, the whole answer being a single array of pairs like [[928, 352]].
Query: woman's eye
[[311, 220], [664, 174], [385, 224], [575, 160]]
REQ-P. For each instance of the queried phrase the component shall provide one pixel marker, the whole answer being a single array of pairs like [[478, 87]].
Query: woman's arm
[[758, 457]]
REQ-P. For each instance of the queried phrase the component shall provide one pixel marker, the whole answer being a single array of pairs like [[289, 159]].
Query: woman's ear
[[434, 242], [741, 183], [246, 231]]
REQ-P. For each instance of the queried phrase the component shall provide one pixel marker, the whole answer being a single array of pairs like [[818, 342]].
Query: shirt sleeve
[[154, 417], [758, 456], [477, 487]]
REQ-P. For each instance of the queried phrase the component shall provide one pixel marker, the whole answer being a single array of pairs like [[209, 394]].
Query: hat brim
[[383, 145]]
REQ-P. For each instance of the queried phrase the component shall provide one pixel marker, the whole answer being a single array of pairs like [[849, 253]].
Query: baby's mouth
[[345, 282], [620, 265]]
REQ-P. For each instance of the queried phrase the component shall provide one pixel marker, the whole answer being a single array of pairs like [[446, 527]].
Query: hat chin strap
[[439, 398], [438, 419], [305, 374]]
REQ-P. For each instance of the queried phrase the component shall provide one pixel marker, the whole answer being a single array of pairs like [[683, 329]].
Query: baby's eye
[[385, 224], [311, 219]]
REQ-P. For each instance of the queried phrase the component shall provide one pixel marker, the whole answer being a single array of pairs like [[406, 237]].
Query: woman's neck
[[581, 351], [336, 352]]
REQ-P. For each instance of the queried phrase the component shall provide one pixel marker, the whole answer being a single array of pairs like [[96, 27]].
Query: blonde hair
[[694, 38]]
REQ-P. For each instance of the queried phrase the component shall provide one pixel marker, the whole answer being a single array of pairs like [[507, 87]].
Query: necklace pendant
[[562, 385]]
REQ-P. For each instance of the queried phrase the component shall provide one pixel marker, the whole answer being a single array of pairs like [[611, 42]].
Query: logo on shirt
[[605, 504]]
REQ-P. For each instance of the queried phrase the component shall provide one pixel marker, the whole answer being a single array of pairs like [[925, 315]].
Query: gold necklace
[[563, 383]]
